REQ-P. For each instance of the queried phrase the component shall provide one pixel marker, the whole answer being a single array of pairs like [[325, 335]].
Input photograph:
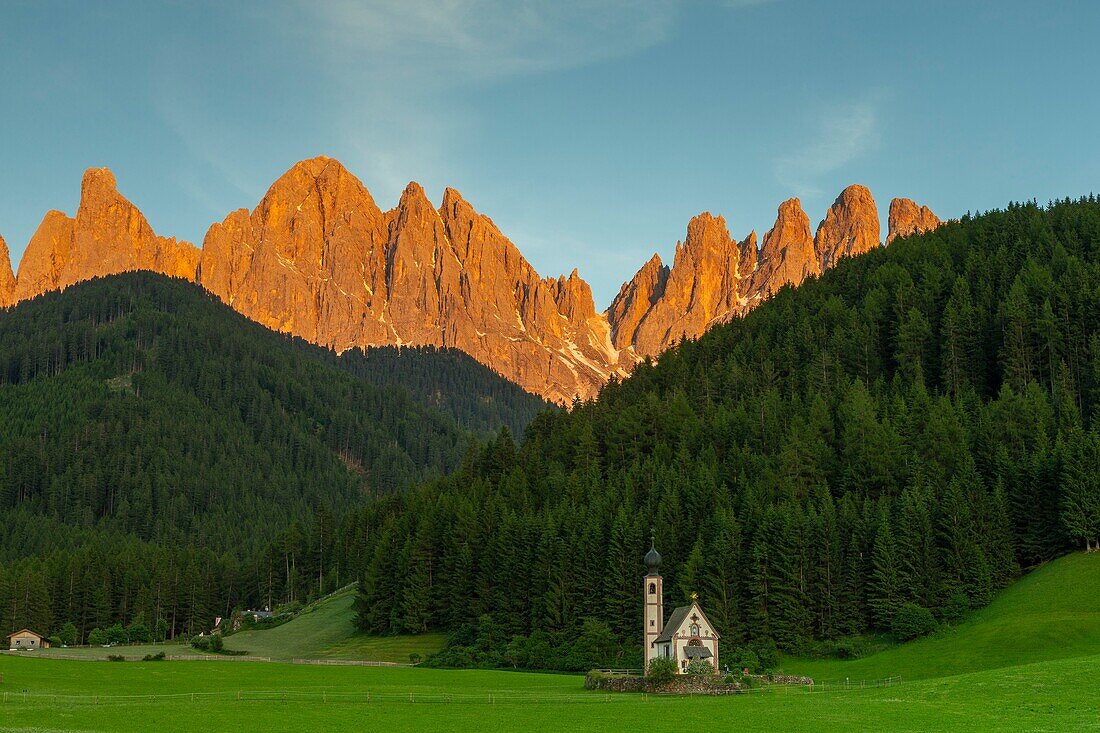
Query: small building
[[27, 639], [687, 636], [238, 619]]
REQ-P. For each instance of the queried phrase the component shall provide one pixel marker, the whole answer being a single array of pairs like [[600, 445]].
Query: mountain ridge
[[318, 258]]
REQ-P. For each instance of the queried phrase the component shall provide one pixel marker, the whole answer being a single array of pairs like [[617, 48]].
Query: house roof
[[677, 619], [25, 631]]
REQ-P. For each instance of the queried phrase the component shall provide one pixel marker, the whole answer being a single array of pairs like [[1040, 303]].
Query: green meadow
[[1028, 662]]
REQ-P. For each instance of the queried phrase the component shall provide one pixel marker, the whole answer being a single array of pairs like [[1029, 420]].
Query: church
[[687, 636]]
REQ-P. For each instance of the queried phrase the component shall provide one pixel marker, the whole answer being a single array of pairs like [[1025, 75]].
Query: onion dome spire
[[653, 558]]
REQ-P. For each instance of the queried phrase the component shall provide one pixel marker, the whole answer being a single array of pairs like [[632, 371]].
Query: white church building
[[687, 635]]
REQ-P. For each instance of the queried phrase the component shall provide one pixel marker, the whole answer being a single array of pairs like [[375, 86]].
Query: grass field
[[203, 696], [1027, 663]]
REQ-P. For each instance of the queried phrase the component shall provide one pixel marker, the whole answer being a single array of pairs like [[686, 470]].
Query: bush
[[216, 643], [158, 657], [767, 652], [414, 658], [202, 643], [661, 670], [68, 634], [138, 633], [96, 637], [747, 659], [595, 675], [913, 621], [116, 658], [115, 634], [700, 667]]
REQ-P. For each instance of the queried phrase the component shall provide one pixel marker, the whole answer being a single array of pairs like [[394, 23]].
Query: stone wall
[[681, 685], [686, 684]]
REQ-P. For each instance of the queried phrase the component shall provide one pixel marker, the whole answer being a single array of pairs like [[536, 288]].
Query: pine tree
[[887, 587]]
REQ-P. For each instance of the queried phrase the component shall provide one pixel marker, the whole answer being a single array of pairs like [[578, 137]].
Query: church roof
[[697, 652], [676, 620]]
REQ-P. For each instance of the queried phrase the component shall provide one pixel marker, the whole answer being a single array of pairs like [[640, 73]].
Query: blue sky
[[589, 131]]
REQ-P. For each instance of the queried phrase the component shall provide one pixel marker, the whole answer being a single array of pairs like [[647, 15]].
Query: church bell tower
[[654, 602]]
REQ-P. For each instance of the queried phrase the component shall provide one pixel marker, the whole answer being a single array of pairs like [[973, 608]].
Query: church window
[[652, 589], [695, 629], [652, 622]]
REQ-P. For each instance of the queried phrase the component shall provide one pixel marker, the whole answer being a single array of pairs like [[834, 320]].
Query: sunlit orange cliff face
[[319, 259]]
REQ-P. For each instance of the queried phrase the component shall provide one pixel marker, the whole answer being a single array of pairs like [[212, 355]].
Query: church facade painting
[[686, 636]]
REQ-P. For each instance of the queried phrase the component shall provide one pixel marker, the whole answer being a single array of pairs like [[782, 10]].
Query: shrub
[[747, 659], [115, 634], [138, 633], [202, 643], [700, 667], [96, 637], [767, 652], [730, 679], [116, 658], [68, 634], [158, 657], [414, 658], [661, 670], [913, 621], [55, 640], [596, 675]]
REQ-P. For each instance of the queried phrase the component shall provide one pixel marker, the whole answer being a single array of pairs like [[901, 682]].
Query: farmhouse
[[27, 639], [687, 636]]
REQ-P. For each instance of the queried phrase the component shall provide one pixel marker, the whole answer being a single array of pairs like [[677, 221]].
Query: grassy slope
[[327, 631], [1050, 613]]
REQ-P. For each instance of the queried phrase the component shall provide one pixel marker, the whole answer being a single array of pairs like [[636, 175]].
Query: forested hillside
[[155, 443], [913, 427]]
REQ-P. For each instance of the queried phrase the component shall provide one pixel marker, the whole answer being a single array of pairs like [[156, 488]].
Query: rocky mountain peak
[[787, 255], [7, 278], [635, 299], [109, 235], [851, 227], [699, 290], [906, 218], [750, 256]]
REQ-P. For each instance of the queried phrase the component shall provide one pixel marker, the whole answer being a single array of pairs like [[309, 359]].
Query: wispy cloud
[[477, 39], [402, 72], [843, 133]]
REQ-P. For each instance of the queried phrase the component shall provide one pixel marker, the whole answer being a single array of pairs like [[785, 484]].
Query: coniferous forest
[[913, 429], [155, 444]]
